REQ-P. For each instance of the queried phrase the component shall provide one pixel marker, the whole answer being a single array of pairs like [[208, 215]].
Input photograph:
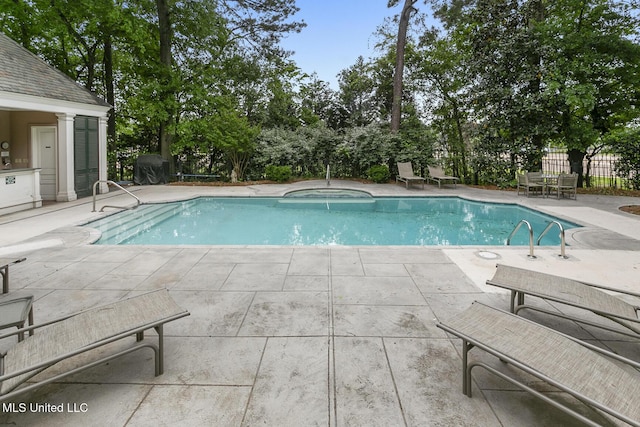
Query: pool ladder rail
[[109, 182], [545, 231]]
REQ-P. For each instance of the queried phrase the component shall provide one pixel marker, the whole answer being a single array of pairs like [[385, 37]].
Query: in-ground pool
[[318, 220]]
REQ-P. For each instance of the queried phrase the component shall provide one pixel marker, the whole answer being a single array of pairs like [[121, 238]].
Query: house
[[53, 133]]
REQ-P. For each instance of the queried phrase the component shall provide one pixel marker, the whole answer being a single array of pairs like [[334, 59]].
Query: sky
[[337, 32]]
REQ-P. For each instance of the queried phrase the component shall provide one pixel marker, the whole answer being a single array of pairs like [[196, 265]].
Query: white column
[[66, 180], [37, 198], [102, 153]]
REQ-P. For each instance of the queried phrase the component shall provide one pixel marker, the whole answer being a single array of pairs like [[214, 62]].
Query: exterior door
[[86, 155], [43, 139]]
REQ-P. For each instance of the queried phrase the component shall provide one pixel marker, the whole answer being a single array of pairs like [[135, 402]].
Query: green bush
[[278, 173], [379, 174]]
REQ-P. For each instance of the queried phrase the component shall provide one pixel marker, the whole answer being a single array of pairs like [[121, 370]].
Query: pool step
[[118, 228]]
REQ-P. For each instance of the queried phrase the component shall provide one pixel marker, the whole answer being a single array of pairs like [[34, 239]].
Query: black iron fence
[[598, 171]]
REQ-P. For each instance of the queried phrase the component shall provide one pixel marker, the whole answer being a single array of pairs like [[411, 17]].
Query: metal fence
[[599, 170]]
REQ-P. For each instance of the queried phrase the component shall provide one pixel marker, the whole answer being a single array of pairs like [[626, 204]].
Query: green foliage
[[278, 173], [486, 92], [379, 174], [627, 146], [236, 138], [357, 90]]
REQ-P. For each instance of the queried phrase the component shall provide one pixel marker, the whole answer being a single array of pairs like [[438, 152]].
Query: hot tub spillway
[[328, 199]]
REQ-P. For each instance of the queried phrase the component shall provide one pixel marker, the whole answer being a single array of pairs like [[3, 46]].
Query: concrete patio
[[297, 336]]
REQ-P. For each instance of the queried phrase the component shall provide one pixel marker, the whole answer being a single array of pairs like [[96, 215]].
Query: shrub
[[379, 174], [626, 145], [278, 173]]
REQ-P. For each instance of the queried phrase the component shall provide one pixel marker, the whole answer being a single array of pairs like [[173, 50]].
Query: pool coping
[[562, 209]]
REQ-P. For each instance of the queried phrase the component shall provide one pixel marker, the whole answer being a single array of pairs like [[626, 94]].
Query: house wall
[[5, 133], [21, 122], [5, 125]]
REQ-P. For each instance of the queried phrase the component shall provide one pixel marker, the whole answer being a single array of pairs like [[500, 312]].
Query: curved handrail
[[109, 182], [562, 240], [523, 221]]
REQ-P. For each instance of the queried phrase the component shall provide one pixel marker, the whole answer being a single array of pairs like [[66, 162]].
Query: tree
[[440, 68], [592, 72], [318, 103], [540, 72], [165, 31], [236, 138], [405, 16], [357, 90], [626, 144]]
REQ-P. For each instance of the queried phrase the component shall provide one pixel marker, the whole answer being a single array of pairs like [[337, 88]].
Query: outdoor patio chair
[[535, 177], [81, 332], [588, 373], [585, 296], [436, 174], [566, 184], [529, 184], [405, 174]]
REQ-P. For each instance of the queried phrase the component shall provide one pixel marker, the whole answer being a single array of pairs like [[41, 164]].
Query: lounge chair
[[436, 174], [575, 367], [529, 183], [84, 331], [4, 271], [594, 298], [566, 184], [405, 174], [15, 307]]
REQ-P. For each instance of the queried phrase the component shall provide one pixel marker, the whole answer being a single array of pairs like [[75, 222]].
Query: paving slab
[[290, 336]]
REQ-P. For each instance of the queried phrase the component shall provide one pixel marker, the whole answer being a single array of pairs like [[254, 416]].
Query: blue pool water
[[324, 221]]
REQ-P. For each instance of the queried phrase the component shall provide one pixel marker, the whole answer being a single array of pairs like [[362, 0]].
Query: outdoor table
[[548, 178], [15, 311], [4, 271]]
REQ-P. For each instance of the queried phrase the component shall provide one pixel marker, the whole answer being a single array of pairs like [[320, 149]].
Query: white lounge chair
[[84, 331], [405, 174], [580, 369], [586, 296], [436, 174]]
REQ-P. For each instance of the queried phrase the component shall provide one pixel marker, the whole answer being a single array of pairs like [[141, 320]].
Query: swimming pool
[[383, 221]]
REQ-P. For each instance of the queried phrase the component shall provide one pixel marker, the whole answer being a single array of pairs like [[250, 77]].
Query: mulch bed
[[634, 209]]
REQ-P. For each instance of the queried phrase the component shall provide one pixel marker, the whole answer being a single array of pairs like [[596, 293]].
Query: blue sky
[[337, 32]]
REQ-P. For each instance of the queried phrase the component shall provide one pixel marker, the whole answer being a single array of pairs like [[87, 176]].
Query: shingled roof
[[24, 73]]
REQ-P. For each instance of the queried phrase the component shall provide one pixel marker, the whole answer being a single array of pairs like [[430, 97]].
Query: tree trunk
[[535, 84], [396, 105], [576, 158], [111, 98], [164, 25]]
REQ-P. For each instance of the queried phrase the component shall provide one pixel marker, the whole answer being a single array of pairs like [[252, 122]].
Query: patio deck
[[295, 336]]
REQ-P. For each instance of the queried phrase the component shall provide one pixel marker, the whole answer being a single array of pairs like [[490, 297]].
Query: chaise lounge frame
[[406, 175], [575, 367], [78, 333], [436, 174], [582, 295]]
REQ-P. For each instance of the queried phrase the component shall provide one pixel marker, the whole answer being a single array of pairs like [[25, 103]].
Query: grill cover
[[150, 169]]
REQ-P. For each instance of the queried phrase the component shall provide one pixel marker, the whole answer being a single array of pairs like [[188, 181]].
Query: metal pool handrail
[[109, 182], [523, 221], [562, 240]]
